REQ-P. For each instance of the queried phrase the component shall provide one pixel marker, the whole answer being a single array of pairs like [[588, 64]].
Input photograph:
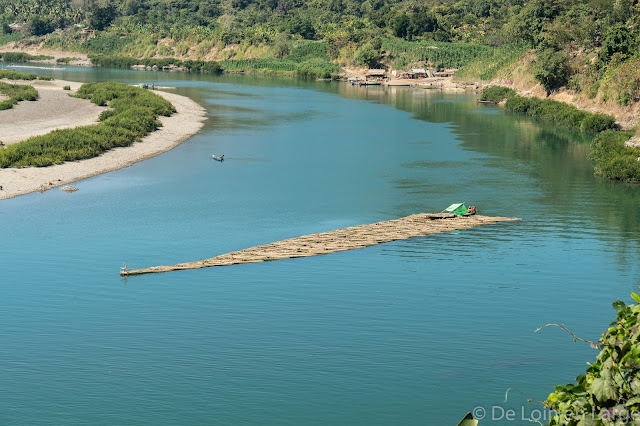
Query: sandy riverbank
[[54, 109], [180, 126]]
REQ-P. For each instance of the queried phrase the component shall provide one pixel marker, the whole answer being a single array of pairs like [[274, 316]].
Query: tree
[[482, 8], [302, 26], [401, 26], [39, 26], [282, 46], [101, 17], [422, 22], [551, 69], [368, 56], [618, 39]]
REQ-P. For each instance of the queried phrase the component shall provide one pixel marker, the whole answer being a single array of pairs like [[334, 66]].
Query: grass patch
[[16, 93], [22, 57], [134, 114], [8, 38], [436, 54], [499, 61], [311, 68], [15, 75]]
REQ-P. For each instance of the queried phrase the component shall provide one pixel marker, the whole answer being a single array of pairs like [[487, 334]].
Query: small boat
[[215, 157]]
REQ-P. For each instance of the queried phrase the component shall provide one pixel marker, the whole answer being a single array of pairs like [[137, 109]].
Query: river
[[411, 332]]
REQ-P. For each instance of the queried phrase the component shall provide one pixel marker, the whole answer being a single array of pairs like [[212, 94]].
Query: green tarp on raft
[[457, 209]]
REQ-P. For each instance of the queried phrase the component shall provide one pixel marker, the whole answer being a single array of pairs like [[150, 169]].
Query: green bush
[[608, 392], [16, 93], [551, 69], [22, 57], [133, 115], [559, 113], [67, 87], [596, 123], [316, 68], [615, 160], [66, 60], [128, 62], [496, 93], [519, 104], [15, 75]]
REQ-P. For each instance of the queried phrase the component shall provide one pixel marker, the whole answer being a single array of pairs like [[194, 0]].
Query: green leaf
[[635, 297], [633, 401], [603, 390], [619, 305]]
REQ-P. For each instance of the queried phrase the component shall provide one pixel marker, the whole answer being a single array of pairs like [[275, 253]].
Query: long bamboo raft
[[353, 237]]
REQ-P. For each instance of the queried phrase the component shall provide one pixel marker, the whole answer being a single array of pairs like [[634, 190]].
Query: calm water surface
[[410, 332]]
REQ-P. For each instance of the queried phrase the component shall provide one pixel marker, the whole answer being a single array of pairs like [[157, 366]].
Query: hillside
[[588, 49]]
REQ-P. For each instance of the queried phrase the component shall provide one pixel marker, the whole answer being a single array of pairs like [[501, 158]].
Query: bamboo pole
[[343, 239]]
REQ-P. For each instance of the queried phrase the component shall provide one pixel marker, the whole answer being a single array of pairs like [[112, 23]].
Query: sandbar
[[186, 122], [54, 109]]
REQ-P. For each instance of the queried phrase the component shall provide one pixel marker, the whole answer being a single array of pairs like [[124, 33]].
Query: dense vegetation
[[615, 160], [15, 75], [590, 45], [133, 114], [609, 391], [559, 113], [496, 93], [16, 93], [21, 57], [127, 62]]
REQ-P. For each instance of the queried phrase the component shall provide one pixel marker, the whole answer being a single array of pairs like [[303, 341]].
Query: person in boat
[[222, 157], [471, 210]]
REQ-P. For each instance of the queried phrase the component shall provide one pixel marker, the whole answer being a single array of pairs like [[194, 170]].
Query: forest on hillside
[[546, 23], [590, 46]]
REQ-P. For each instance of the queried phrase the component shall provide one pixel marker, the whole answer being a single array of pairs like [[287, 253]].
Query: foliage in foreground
[[615, 160], [133, 114], [609, 391], [16, 93]]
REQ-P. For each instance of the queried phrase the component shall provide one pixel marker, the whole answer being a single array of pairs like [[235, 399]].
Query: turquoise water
[[411, 332]]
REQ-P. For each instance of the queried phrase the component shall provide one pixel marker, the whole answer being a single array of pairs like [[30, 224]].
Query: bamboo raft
[[343, 239]]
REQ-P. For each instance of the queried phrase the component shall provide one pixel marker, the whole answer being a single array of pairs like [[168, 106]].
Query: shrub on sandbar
[[134, 114]]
